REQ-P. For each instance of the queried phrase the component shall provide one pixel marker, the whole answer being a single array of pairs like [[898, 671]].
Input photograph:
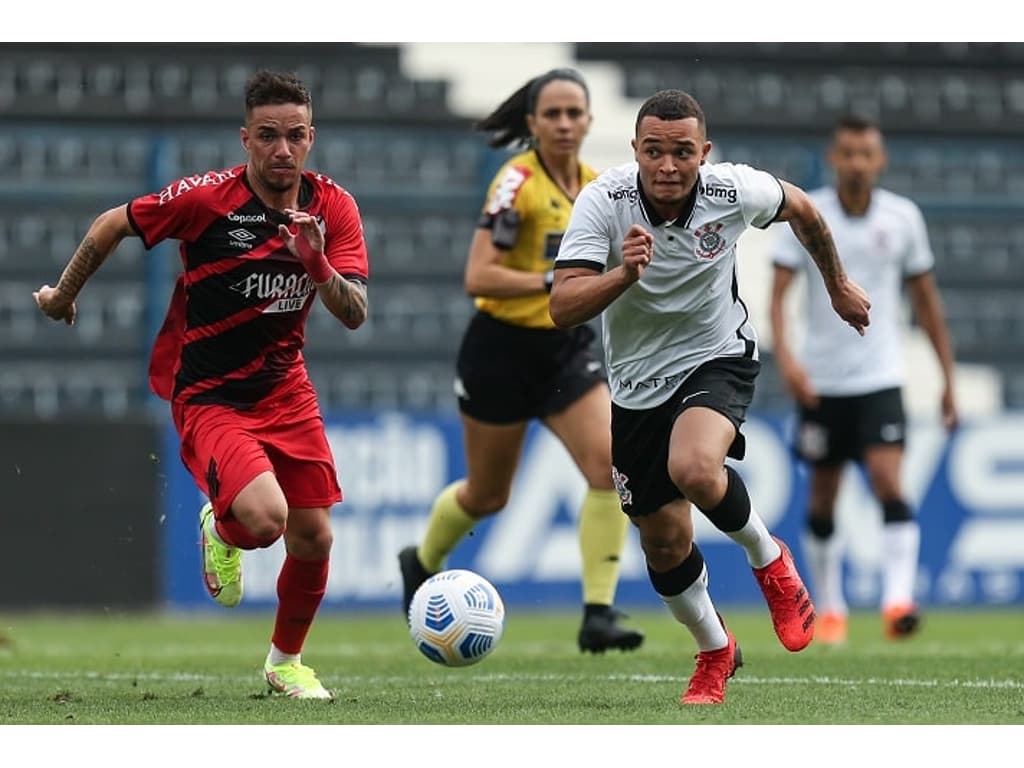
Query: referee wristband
[[549, 280]]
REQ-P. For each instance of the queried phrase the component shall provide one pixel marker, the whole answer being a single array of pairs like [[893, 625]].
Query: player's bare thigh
[[261, 507], [698, 446], [492, 455], [585, 428]]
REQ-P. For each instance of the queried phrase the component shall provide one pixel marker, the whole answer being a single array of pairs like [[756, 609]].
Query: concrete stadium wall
[[81, 514]]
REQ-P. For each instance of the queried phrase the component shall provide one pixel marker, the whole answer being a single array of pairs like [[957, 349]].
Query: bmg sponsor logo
[[718, 193]]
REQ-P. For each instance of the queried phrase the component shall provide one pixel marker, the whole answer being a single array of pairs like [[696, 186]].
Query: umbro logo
[[242, 234]]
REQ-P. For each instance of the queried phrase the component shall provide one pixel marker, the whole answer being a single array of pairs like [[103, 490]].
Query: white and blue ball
[[456, 618]]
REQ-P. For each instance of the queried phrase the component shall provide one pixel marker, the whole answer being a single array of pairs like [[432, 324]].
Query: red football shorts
[[226, 448]]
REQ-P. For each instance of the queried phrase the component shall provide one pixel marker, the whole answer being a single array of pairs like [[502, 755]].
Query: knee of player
[[321, 541], [484, 503], [598, 474], [268, 523], [310, 542], [664, 553], [698, 477]]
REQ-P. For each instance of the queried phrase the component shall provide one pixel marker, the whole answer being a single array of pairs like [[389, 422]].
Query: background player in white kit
[[849, 392], [651, 246]]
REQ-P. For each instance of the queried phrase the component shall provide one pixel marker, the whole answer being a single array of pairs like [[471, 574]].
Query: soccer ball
[[456, 618]]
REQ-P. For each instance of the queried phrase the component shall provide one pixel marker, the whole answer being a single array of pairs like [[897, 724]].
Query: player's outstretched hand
[[55, 304], [851, 303], [799, 383]]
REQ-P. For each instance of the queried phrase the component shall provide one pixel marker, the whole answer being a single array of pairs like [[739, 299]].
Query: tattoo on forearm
[[355, 305], [817, 239], [349, 301], [86, 260]]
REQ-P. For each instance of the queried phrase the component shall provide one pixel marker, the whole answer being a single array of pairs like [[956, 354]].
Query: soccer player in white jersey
[[849, 392], [651, 246]]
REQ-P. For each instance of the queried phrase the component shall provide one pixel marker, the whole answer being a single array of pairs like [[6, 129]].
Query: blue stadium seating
[[89, 126]]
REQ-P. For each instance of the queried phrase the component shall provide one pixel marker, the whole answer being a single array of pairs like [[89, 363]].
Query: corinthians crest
[[709, 242], [620, 480]]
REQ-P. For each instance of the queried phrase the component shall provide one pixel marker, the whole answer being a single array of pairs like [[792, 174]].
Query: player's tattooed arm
[[849, 300], [816, 237], [813, 233], [103, 237], [83, 264], [345, 299], [105, 234]]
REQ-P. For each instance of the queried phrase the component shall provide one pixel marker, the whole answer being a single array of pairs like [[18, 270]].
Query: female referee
[[514, 365]]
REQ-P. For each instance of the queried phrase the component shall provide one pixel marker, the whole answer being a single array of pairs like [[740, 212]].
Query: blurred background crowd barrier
[[89, 464]]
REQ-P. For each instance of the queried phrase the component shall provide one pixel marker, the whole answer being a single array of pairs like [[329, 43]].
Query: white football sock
[[900, 545], [755, 539], [277, 656], [825, 563], [693, 609]]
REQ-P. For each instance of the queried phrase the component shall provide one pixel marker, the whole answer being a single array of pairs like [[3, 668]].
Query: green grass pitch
[[965, 667]]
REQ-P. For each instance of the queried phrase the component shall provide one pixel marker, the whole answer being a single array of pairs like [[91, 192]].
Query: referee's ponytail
[[508, 121]]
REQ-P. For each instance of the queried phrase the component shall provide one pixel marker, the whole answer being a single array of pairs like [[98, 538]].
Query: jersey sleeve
[[508, 203], [175, 212], [345, 244], [761, 195], [919, 257], [587, 239]]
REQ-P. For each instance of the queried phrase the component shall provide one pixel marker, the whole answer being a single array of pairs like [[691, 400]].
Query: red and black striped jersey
[[235, 326]]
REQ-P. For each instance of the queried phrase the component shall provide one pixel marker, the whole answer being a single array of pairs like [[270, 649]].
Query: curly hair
[[266, 87]]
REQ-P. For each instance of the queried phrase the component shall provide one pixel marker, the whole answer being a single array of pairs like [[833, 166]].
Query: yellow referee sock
[[447, 526], [603, 528]]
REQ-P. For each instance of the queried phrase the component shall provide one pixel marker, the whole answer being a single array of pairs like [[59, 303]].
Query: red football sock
[[300, 588]]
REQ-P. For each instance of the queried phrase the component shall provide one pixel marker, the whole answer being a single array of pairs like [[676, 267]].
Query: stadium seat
[[100, 124], [70, 81], [104, 79], [1013, 386], [977, 253]]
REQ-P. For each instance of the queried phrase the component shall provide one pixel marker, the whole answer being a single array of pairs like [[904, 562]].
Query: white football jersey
[[879, 250], [686, 307]]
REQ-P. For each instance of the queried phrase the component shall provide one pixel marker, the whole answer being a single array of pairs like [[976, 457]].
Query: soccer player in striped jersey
[[259, 243], [514, 366], [849, 395], [651, 247]]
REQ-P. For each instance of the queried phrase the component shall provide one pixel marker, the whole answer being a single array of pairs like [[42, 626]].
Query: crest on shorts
[[812, 441], [620, 480], [709, 242]]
